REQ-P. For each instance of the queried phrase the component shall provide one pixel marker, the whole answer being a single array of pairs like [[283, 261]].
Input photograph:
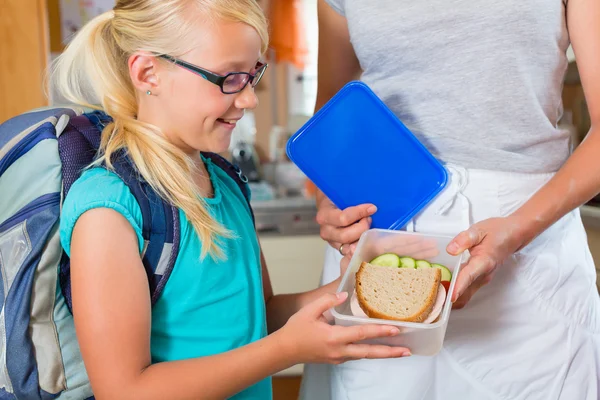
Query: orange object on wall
[[310, 189], [287, 32]]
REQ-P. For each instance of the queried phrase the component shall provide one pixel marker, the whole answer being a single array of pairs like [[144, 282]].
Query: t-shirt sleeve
[[98, 188], [338, 6]]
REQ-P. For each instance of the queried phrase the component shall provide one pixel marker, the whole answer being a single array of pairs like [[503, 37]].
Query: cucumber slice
[[408, 262], [423, 264], [386, 260], [446, 274]]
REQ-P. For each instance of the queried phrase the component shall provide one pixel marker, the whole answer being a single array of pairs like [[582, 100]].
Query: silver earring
[[148, 92]]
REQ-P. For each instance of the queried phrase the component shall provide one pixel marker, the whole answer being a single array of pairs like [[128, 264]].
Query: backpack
[[41, 154]]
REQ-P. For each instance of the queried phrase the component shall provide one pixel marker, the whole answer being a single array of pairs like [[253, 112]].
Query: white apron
[[532, 333]]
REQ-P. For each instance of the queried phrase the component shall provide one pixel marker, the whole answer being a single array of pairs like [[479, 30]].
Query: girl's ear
[[143, 68]]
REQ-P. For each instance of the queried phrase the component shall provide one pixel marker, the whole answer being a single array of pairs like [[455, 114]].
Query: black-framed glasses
[[233, 82]]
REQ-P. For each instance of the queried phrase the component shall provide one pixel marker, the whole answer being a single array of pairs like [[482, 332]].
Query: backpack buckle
[[239, 172]]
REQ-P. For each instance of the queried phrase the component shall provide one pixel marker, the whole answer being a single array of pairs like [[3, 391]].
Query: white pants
[[532, 333]]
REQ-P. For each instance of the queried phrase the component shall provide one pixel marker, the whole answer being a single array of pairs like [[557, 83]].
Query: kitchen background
[[33, 32]]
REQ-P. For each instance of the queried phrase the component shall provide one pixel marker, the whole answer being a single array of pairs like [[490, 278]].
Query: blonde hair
[[93, 72]]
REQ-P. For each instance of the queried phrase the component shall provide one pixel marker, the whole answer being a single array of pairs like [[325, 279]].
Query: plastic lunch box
[[421, 339]]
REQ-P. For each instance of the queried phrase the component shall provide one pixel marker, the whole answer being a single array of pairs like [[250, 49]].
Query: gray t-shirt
[[478, 82]]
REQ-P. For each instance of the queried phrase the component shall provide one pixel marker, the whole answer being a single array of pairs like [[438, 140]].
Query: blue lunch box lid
[[355, 150]]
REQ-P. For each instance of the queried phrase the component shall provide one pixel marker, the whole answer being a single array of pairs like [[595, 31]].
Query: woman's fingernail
[[394, 331], [452, 247], [455, 296], [341, 295], [372, 209], [406, 354]]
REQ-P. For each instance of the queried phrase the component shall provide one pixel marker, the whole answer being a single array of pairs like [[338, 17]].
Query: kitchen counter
[[294, 202], [286, 216]]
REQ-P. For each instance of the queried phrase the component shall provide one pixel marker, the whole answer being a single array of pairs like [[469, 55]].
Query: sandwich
[[399, 294]]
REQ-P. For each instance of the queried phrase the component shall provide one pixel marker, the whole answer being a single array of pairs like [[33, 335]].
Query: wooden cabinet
[[24, 55], [294, 262]]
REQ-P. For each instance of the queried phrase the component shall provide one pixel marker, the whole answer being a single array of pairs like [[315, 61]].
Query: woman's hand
[[310, 339], [342, 228], [490, 243]]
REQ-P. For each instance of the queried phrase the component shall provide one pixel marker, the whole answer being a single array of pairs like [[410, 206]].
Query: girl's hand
[[490, 243], [310, 339]]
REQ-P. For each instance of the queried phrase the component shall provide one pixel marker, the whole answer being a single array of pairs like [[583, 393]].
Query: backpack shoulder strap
[[161, 224], [234, 173], [160, 229], [77, 145]]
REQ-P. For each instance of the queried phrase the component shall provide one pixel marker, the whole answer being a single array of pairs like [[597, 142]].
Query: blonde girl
[[176, 76]]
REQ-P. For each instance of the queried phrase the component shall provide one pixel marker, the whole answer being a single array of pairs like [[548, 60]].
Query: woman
[[480, 85]]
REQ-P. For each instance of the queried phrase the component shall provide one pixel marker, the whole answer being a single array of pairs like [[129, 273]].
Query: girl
[[176, 76], [479, 83]]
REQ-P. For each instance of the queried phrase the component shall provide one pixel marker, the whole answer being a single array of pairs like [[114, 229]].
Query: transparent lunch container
[[421, 339]]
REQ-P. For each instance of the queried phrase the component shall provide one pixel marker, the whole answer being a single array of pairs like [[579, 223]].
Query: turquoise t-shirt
[[206, 307]]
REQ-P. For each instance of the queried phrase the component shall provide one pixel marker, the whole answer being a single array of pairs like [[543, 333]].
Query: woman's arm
[[573, 185], [337, 66], [579, 179], [112, 312]]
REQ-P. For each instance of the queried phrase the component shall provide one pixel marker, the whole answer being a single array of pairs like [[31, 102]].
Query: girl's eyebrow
[[236, 66]]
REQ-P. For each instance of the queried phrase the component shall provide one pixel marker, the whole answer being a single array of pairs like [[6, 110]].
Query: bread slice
[[400, 294]]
